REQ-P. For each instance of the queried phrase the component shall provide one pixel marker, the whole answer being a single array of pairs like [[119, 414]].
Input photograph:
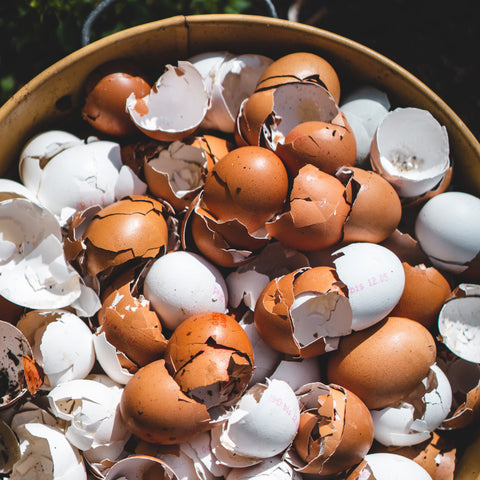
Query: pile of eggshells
[[233, 272]]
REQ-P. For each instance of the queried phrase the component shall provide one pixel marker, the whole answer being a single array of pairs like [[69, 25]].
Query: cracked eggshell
[[425, 292], [34, 272], [413, 420], [211, 358], [45, 449], [391, 344], [9, 448], [375, 279], [271, 468], [84, 174], [175, 173], [229, 79], [375, 210], [304, 312], [91, 410], [106, 91], [448, 230], [458, 322], [181, 284], [13, 348], [261, 425], [390, 466], [335, 431], [180, 418], [411, 150], [175, 106], [140, 467], [12, 189], [249, 184], [132, 228], [301, 66], [62, 344], [316, 212]]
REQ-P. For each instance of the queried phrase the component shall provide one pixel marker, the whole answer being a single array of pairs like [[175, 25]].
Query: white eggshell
[[80, 176], [271, 468], [410, 149], [397, 426], [375, 279], [181, 284], [362, 138], [134, 467], [8, 186], [298, 372], [448, 230], [391, 466], [264, 422], [107, 356], [128, 183], [95, 421], [63, 344], [47, 453]]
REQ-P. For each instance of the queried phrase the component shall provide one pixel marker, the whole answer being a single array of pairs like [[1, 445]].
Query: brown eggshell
[[133, 227], [272, 314], [190, 337], [129, 323], [301, 66], [317, 212], [213, 147], [424, 294], [383, 363], [107, 89], [179, 419], [249, 184], [376, 207], [328, 146]]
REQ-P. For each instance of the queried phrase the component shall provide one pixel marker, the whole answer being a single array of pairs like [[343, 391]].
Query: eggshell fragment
[[274, 468], [448, 230], [140, 467], [458, 322], [416, 417], [303, 313], [91, 412], [165, 114], [179, 419], [365, 360], [9, 448], [62, 344], [181, 284], [262, 424], [316, 212], [395, 467], [375, 279], [410, 149]]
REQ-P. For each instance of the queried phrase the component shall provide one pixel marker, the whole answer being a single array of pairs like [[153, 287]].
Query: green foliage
[[36, 33]]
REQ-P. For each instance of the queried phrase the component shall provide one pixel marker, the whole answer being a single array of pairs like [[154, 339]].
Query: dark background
[[436, 41]]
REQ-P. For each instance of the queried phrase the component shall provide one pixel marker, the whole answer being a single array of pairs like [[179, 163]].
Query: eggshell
[[106, 91], [179, 419], [316, 212], [249, 184], [425, 292], [181, 284], [448, 230], [134, 227], [395, 467], [140, 467], [9, 448], [365, 360], [164, 114], [274, 468], [298, 372], [376, 208], [301, 66], [375, 279]]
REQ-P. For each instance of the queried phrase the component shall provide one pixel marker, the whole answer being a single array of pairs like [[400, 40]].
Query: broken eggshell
[[414, 418], [390, 466], [335, 431], [274, 468], [62, 344], [411, 150], [175, 106], [140, 467], [304, 313], [181, 284], [91, 412], [447, 228], [262, 424], [229, 80], [13, 348], [9, 448]]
